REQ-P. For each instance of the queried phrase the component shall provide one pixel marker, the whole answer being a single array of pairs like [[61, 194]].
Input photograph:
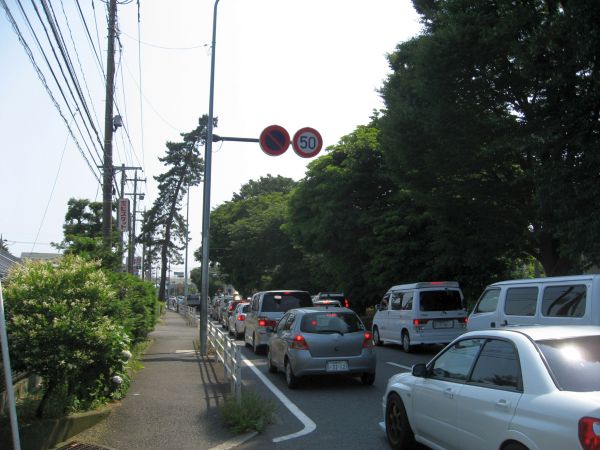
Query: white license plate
[[442, 324], [337, 366]]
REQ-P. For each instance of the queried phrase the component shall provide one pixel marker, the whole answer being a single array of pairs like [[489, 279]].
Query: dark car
[[339, 296]]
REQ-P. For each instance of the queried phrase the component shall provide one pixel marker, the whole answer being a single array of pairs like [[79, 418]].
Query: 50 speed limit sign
[[307, 142]]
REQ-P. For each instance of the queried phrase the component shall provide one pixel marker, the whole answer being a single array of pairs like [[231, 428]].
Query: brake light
[[346, 303], [241, 317], [368, 341], [463, 320], [230, 308], [264, 322], [420, 322], [589, 433], [299, 343]]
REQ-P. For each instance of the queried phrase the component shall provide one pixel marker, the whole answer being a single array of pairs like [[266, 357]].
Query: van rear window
[[443, 300], [564, 301], [283, 302]]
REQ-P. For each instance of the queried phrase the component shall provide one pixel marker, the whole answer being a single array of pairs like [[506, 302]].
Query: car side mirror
[[419, 370]]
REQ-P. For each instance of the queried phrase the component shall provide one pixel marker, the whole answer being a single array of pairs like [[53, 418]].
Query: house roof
[[6, 261]]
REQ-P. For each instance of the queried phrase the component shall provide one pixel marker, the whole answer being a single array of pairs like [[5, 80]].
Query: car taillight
[[462, 321], [346, 303], [230, 308], [241, 317], [299, 343], [589, 433], [264, 322], [420, 322], [368, 341]]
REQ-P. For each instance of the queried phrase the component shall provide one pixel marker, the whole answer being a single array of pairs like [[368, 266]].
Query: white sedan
[[514, 388]]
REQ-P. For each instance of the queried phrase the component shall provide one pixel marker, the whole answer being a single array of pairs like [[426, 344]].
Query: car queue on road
[[507, 387]]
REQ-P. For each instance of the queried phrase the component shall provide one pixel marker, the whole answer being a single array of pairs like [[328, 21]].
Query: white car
[[237, 320], [515, 388]]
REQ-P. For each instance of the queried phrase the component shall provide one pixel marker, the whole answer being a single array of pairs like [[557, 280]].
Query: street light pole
[[206, 202]]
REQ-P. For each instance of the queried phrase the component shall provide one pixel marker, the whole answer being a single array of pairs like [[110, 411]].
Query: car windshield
[[574, 362], [442, 300], [284, 301], [331, 322]]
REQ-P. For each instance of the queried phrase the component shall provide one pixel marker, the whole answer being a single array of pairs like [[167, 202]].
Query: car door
[[486, 312], [383, 317], [487, 402], [435, 404], [394, 329], [281, 339]]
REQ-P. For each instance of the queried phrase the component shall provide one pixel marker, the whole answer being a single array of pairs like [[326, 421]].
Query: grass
[[252, 413]]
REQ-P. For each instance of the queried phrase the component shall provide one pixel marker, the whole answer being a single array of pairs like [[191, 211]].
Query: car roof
[[541, 332], [310, 309], [547, 279]]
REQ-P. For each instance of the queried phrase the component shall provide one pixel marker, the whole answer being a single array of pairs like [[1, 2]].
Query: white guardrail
[[224, 347]]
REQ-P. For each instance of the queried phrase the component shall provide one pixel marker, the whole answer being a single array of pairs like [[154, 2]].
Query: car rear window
[[284, 301], [575, 362], [246, 308], [442, 300], [331, 322], [339, 297]]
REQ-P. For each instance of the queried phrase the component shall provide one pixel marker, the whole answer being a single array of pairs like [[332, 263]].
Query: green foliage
[[83, 234], [70, 323], [252, 413], [488, 121], [164, 229], [250, 243]]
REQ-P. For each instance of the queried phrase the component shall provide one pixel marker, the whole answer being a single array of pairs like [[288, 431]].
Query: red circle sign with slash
[[274, 140], [307, 142]]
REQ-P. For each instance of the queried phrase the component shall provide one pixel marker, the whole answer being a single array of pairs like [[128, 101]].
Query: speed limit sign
[[307, 142]]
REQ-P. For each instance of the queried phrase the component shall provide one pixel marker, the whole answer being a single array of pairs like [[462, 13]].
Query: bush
[[59, 328], [253, 413]]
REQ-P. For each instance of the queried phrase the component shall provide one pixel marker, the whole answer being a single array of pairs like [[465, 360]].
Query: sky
[[309, 63]]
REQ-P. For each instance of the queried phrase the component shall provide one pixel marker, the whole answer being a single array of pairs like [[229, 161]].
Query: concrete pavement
[[173, 402]]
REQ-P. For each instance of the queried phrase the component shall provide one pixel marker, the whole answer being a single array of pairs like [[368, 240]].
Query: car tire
[[367, 378], [290, 379], [406, 342], [376, 338], [272, 367], [397, 428]]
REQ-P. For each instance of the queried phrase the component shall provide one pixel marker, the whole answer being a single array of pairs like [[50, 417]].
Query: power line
[[45, 84]]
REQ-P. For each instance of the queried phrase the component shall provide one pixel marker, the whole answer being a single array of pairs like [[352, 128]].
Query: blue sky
[[310, 63]]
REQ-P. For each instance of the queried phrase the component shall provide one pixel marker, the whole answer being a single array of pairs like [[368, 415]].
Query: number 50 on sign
[[307, 142]]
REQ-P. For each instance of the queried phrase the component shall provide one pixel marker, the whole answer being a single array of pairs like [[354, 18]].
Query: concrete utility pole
[[108, 130], [122, 228], [131, 256]]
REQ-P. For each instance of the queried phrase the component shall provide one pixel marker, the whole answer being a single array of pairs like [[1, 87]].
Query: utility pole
[[108, 130], [124, 224], [187, 239], [131, 255]]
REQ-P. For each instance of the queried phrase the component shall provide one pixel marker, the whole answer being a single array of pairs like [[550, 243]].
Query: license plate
[[337, 366], [442, 323]]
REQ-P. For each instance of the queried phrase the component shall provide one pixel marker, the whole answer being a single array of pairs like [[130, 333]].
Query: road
[[326, 412]]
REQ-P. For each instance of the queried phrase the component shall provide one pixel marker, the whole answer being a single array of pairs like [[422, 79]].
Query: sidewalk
[[173, 402]]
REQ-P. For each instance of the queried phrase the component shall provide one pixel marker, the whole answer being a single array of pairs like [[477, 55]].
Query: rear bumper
[[444, 336], [303, 363]]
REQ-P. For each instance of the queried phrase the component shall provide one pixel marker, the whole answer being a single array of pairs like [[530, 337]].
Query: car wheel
[[397, 428], [272, 367], [376, 338], [367, 378], [290, 379], [406, 342]]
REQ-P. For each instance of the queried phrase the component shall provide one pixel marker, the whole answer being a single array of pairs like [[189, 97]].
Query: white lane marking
[[399, 365], [309, 425]]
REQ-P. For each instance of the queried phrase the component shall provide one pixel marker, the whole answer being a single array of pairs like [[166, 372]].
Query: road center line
[[399, 365], [309, 425]]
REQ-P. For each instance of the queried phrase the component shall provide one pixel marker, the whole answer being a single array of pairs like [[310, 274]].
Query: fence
[[225, 348]]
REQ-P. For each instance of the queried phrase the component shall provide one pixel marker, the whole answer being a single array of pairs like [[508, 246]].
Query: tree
[[333, 212], [249, 242], [492, 122], [164, 226], [83, 234], [3, 245]]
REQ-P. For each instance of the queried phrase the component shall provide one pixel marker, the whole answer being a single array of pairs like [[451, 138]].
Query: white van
[[420, 313], [569, 300]]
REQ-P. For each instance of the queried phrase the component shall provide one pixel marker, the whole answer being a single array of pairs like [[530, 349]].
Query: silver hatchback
[[322, 341]]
